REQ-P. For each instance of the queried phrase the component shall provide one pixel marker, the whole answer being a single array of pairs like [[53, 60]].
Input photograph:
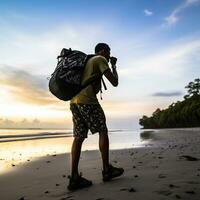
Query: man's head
[[103, 49]]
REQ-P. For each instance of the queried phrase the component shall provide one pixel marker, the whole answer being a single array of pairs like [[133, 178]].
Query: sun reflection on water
[[13, 154]]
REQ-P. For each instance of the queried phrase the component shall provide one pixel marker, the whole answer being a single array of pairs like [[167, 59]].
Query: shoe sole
[[78, 188]]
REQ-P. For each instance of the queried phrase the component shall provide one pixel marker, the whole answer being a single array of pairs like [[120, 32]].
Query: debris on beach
[[189, 158], [132, 190], [22, 198], [128, 189], [173, 186], [164, 192], [161, 176], [190, 192]]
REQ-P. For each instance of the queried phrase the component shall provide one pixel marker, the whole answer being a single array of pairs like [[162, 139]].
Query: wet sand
[[167, 168]]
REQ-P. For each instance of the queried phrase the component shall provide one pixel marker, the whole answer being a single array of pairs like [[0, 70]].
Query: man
[[88, 115]]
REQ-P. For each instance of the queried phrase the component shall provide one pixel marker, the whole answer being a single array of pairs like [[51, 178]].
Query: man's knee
[[79, 140], [103, 133]]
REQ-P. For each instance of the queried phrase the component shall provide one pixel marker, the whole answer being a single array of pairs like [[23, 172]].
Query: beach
[[167, 167]]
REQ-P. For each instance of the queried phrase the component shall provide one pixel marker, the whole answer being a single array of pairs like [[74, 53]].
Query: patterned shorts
[[87, 117]]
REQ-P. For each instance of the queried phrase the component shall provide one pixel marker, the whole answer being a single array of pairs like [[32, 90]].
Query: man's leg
[[75, 152], [109, 171], [104, 149], [77, 181]]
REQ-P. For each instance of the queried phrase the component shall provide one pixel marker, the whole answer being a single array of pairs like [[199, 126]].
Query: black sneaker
[[78, 183], [112, 173]]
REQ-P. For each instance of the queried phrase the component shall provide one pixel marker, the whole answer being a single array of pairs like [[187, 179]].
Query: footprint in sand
[[178, 196], [161, 176], [128, 189], [65, 198], [164, 192], [173, 186], [192, 182], [155, 167]]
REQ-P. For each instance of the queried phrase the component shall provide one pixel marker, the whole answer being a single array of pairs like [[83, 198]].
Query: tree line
[[181, 114]]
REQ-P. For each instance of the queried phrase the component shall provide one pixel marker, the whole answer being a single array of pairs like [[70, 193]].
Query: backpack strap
[[105, 88], [104, 84]]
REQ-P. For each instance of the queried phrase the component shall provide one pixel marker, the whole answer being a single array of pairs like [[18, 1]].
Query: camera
[[113, 60]]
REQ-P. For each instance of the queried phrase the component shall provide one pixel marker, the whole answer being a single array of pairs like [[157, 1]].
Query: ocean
[[20, 145]]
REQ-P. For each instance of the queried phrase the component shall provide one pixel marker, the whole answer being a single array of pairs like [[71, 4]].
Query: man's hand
[[113, 61]]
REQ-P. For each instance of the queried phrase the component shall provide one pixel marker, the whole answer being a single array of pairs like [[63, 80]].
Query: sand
[[167, 168]]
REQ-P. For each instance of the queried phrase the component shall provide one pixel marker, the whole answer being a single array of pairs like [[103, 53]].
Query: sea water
[[20, 145]]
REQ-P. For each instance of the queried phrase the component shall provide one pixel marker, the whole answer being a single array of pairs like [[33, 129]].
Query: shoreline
[[161, 170]]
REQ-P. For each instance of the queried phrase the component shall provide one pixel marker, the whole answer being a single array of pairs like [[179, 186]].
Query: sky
[[157, 44]]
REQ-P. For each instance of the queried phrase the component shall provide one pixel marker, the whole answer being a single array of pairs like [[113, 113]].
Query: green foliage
[[184, 113]]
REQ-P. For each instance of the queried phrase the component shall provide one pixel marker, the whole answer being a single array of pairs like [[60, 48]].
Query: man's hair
[[101, 46]]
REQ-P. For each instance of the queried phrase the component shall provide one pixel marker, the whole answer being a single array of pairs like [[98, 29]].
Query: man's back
[[95, 66]]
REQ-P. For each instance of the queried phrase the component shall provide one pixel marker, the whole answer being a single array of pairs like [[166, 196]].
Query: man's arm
[[112, 76]]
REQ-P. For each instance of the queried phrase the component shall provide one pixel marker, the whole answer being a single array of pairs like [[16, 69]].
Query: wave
[[43, 135], [35, 134], [34, 138]]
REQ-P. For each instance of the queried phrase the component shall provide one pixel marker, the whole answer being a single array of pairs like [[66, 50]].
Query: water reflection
[[147, 135], [25, 147]]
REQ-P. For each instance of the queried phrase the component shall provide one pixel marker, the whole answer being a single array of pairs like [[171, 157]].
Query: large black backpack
[[65, 82]]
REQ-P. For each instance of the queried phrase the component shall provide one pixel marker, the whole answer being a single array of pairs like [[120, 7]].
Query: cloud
[[26, 87], [34, 123], [167, 94], [148, 12], [39, 51], [173, 18], [171, 61]]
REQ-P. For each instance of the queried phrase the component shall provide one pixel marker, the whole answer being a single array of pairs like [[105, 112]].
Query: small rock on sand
[[22, 198], [190, 192], [178, 196]]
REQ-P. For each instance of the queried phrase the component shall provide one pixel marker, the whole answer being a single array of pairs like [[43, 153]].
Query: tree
[[193, 88], [184, 113]]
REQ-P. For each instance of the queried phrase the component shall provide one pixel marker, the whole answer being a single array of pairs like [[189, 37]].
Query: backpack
[[65, 81]]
